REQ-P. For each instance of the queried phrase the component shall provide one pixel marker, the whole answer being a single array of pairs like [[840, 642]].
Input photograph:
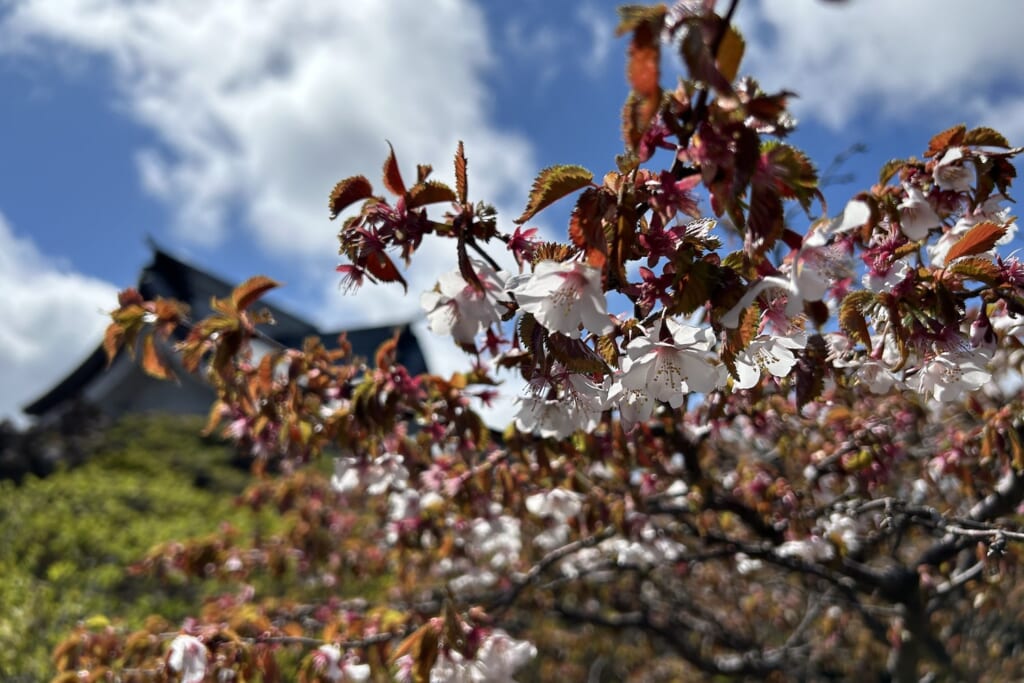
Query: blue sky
[[219, 128]]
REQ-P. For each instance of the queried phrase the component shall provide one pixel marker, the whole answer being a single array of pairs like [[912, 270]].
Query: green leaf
[[552, 184], [347, 192]]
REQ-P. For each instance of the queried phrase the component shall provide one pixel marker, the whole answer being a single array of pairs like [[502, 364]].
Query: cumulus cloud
[[52, 319], [893, 59], [260, 107]]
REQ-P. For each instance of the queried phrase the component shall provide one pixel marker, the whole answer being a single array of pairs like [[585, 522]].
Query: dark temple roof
[[169, 277]]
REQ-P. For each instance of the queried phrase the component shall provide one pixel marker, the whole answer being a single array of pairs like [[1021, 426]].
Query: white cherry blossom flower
[[766, 353], [883, 282], [855, 214], [876, 375], [188, 657], [947, 375], [559, 504], [563, 296], [459, 308], [496, 540], [948, 174], [496, 661], [577, 406], [660, 367], [813, 549], [917, 217], [329, 660]]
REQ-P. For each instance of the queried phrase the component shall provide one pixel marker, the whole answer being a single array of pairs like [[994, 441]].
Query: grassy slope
[[66, 540]]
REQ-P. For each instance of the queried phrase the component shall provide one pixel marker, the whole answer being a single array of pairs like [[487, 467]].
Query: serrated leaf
[[152, 363], [586, 229], [979, 269], [730, 53], [429, 192], [608, 349], [986, 137], [247, 293], [951, 137], [810, 371], [112, 340], [575, 355], [631, 16], [347, 192], [381, 267], [889, 169], [694, 288], [552, 184], [552, 251], [642, 68], [461, 181], [977, 240], [851, 315], [392, 174]]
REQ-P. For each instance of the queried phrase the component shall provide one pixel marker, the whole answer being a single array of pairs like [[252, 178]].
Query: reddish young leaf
[[461, 181], [152, 363], [113, 338], [978, 240], [247, 293], [429, 192], [586, 229], [950, 137], [392, 175], [381, 267], [386, 352], [552, 184], [347, 192]]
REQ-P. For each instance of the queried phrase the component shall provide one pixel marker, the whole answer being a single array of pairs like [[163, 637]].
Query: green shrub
[[66, 541]]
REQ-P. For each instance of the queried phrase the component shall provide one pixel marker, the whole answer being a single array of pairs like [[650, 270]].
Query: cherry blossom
[[496, 661], [664, 365], [947, 375], [188, 656], [328, 660], [460, 308], [770, 353], [560, 409], [563, 296], [917, 217], [950, 175]]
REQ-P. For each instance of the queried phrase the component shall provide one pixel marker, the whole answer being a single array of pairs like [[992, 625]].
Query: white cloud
[[52, 319], [260, 107], [896, 59], [597, 21]]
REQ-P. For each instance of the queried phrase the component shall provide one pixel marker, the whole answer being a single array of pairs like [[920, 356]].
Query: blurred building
[[125, 388]]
